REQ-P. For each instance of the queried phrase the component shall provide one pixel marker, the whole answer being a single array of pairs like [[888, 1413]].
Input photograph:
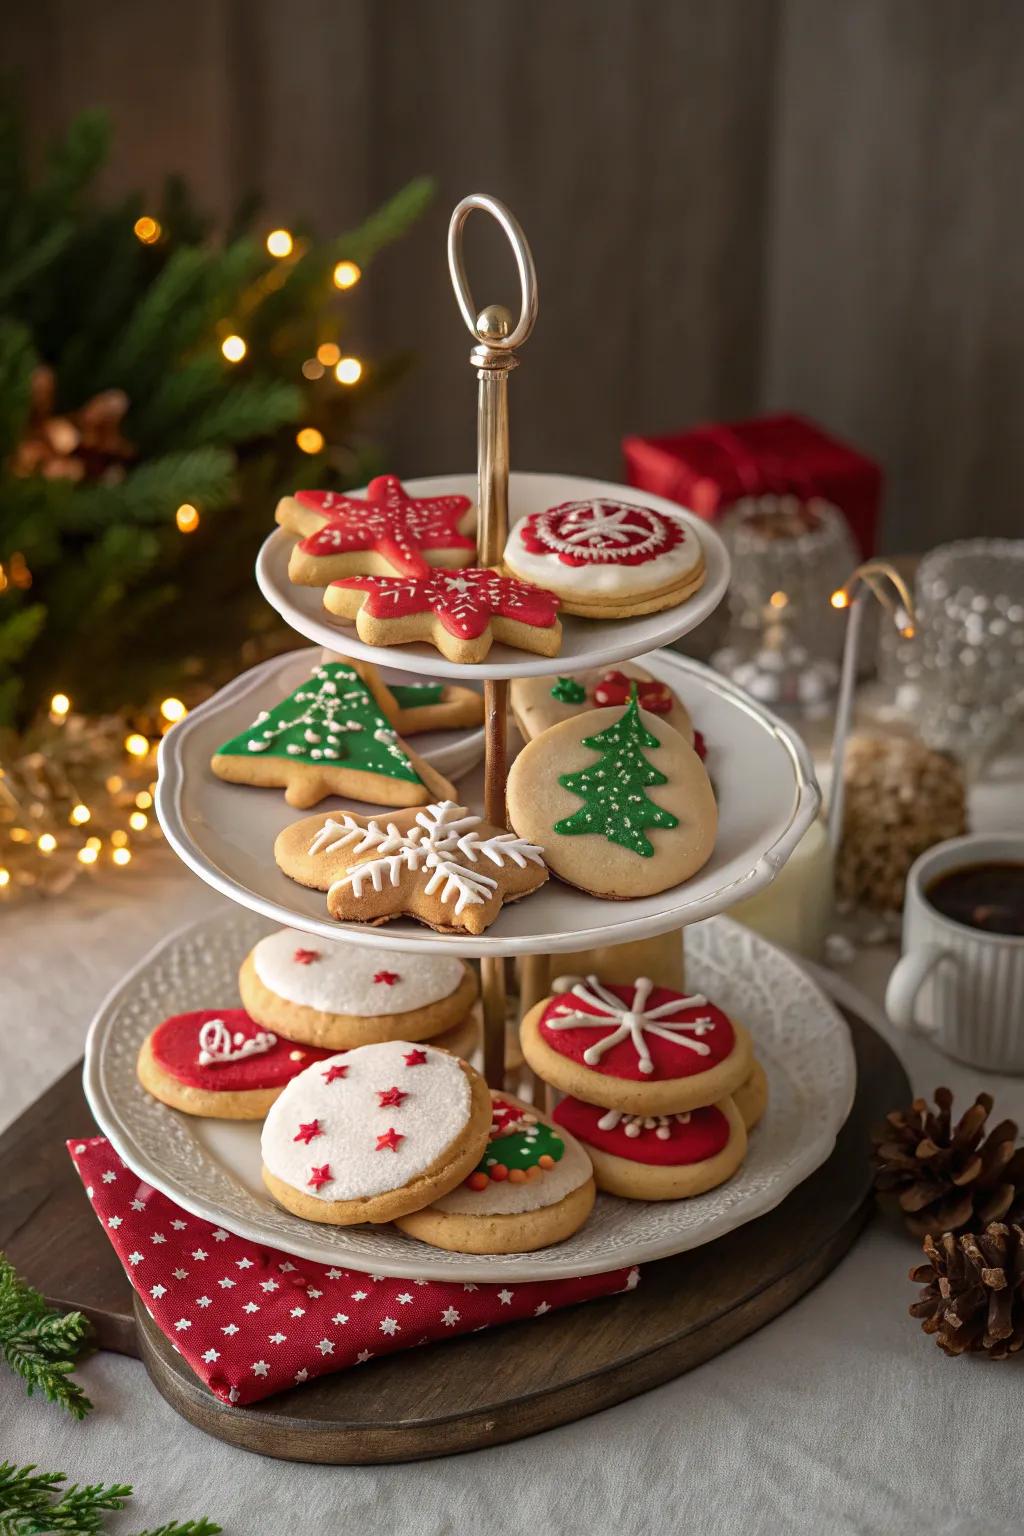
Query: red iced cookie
[[663, 1140], [192, 1059]]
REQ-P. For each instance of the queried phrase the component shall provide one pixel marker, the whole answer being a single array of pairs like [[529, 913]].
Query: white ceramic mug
[[960, 987]]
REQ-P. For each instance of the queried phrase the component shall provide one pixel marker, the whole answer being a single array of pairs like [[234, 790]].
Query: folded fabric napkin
[[251, 1321]]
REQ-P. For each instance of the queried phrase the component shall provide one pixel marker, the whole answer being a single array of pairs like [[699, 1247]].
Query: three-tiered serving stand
[[767, 798]]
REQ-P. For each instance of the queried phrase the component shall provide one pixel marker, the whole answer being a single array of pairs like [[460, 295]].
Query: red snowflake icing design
[[308, 1131], [600, 532], [391, 1096], [321, 1175], [415, 1058], [389, 1141], [465, 601], [387, 978], [615, 688], [306, 956], [333, 1073], [394, 525]]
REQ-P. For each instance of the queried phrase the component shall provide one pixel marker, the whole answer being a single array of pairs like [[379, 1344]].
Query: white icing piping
[[217, 1046], [632, 1125], [634, 1021]]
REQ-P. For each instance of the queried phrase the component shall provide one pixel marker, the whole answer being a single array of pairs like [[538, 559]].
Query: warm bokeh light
[[60, 704], [80, 814], [349, 371], [115, 784], [138, 821], [46, 842], [908, 631], [187, 518], [840, 598], [119, 837], [20, 835], [328, 353], [280, 242], [310, 440], [779, 600], [233, 348], [5, 876], [94, 842], [311, 369], [346, 274], [121, 856], [87, 855], [172, 710], [148, 230], [143, 799], [136, 744]]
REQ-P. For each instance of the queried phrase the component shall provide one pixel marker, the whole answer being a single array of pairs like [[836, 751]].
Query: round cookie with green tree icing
[[619, 801], [330, 737]]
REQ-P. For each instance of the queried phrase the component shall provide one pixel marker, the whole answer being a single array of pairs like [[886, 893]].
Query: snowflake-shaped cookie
[[461, 612], [442, 865], [386, 532]]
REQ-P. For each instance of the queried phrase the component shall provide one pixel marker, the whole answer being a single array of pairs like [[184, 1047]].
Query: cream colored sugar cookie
[[658, 1157], [607, 558], [639, 1048], [619, 802], [537, 703], [532, 1187], [442, 865], [375, 1133], [338, 995], [751, 1097]]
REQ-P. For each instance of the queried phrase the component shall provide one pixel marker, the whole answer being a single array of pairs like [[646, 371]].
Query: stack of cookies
[[661, 1088]]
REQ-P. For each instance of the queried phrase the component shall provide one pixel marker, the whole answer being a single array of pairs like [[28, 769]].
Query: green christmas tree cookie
[[615, 804], [329, 737]]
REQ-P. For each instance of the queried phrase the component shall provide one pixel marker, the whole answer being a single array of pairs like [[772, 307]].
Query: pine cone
[[948, 1178], [973, 1296]]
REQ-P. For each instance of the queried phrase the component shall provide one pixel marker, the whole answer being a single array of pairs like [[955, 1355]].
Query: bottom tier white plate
[[212, 1168]]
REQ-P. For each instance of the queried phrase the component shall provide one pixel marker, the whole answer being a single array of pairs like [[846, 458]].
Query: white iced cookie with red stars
[[607, 559], [374, 1133], [642, 1049], [532, 1187], [658, 1157], [339, 995], [220, 1063]]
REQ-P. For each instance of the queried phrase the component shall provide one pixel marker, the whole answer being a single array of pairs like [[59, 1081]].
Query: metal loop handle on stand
[[524, 264]]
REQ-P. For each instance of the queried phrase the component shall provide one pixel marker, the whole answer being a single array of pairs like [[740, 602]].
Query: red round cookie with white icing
[[532, 1187], [658, 1157], [340, 995], [641, 1048], [221, 1063], [374, 1133], [601, 551]]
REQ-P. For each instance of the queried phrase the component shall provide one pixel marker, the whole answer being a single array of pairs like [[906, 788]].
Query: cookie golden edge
[[751, 1097], [672, 1096], [454, 1164], [246, 1104], [343, 1032], [647, 1181]]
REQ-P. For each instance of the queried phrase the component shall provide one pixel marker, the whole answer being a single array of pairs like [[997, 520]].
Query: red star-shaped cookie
[[461, 612], [387, 532]]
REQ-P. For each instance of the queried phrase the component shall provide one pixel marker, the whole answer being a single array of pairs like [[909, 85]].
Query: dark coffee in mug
[[989, 897]]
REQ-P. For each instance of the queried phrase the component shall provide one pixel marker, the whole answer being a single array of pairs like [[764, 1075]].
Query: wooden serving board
[[486, 1388]]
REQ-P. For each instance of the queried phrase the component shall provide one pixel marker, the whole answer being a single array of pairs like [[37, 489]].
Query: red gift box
[[710, 467], [252, 1321]]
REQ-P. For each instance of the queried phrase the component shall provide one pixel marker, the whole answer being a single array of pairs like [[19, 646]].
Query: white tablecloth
[[840, 1416]]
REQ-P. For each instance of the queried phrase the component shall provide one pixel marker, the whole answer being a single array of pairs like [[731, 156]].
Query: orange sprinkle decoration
[[478, 1181], [534, 1171], [546, 1160], [516, 1176], [499, 1173]]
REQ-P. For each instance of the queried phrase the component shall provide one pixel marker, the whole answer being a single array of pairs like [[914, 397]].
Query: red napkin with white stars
[[251, 1321]]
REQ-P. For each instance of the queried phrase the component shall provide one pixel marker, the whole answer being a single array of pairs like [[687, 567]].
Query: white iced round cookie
[[533, 1186], [346, 978], [602, 549], [338, 996], [374, 1133]]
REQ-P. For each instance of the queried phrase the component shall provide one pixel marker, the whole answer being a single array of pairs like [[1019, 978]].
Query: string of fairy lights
[[78, 795]]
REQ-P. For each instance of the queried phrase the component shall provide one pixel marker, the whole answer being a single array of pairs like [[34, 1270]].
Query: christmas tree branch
[[35, 1504], [39, 1344]]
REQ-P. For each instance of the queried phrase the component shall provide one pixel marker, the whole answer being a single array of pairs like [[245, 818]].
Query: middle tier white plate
[[762, 773]]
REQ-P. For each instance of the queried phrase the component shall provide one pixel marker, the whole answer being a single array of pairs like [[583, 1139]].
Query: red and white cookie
[[532, 1187], [643, 1049], [375, 1133], [537, 703], [339, 995], [462, 612], [386, 532], [606, 558], [220, 1063], [658, 1157]]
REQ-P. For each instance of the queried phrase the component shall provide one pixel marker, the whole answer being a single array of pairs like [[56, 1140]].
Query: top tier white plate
[[585, 642]]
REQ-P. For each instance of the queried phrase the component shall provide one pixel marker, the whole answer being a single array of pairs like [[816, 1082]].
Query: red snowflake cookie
[[387, 530]]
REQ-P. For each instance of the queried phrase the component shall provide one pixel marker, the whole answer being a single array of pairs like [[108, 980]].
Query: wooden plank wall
[[735, 204]]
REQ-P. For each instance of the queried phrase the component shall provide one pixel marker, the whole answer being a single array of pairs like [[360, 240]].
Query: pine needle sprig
[[35, 1504], [42, 1346]]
